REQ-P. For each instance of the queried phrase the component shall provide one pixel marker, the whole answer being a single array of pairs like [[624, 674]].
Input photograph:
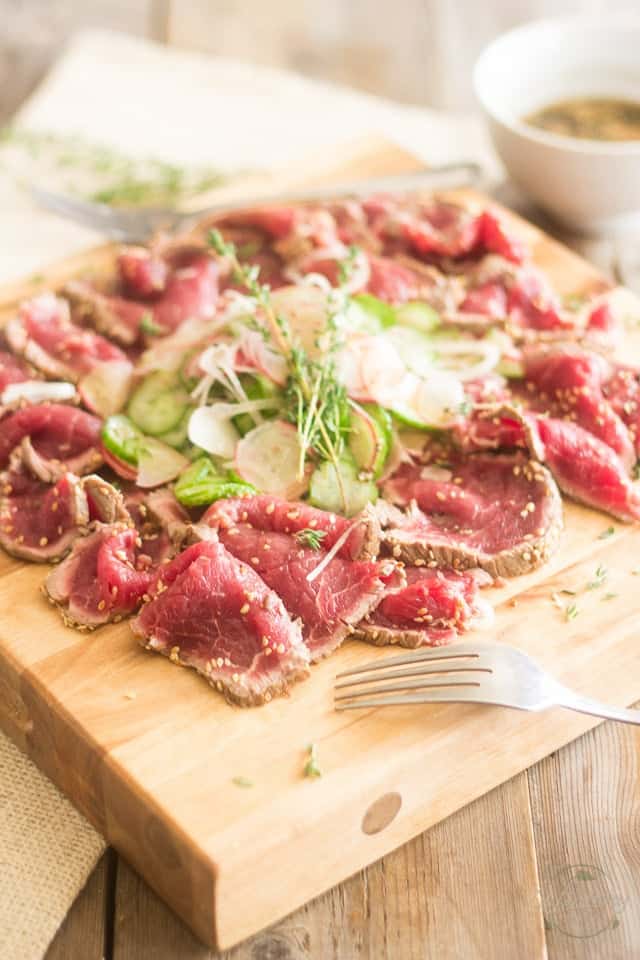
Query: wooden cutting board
[[148, 752]]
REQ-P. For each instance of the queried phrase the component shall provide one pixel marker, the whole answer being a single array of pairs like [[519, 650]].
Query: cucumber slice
[[122, 438], [414, 349], [377, 315], [325, 492], [158, 404], [370, 435], [257, 387], [179, 435], [419, 315], [202, 483]]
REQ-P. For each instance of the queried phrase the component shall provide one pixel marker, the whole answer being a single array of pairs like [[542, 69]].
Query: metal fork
[[465, 673], [135, 225]]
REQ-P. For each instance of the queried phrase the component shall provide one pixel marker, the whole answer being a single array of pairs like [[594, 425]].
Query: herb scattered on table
[[311, 768], [102, 173], [610, 596], [242, 782]]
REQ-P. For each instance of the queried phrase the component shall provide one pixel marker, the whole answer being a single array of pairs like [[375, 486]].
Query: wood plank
[[82, 933], [428, 900], [586, 808], [155, 773]]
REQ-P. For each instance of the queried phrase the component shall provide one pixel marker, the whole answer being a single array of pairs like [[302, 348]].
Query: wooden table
[[548, 865]]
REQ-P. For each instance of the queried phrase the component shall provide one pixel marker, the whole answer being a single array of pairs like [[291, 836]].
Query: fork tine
[[465, 695], [417, 656], [417, 684], [420, 669]]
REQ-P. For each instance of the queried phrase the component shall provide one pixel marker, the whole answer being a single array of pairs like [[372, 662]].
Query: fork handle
[[574, 701]]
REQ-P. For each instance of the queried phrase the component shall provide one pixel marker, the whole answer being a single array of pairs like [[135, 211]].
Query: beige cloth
[[121, 91]]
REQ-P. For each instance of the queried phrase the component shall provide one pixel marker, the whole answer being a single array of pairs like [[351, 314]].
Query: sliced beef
[[213, 612], [101, 579], [143, 273], [64, 435], [431, 609], [329, 594], [12, 370], [568, 382], [114, 316], [438, 229], [44, 335], [501, 513], [622, 391], [161, 523], [39, 521], [269, 513], [584, 467]]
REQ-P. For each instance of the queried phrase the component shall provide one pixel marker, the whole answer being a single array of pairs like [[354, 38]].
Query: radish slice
[[105, 389], [211, 429], [38, 391], [488, 352], [123, 469], [158, 463], [269, 457], [254, 353]]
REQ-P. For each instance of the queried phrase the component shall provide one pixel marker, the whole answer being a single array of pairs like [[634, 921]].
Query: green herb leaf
[[150, 327], [311, 768], [242, 782], [609, 532], [569, 593], [311, 538], [571, 612], [599, 579], [610, 596]]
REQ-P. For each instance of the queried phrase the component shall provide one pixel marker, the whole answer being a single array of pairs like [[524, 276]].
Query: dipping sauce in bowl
[[589, 118], [562, 101]]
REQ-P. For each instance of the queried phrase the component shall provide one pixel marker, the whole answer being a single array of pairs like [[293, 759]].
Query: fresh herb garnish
[[104, 174], [150, 327], [609, 532], [600, 578], [571, 612], [317, 401], [610, 596], [242, 782], [569, 593], [311, 768], [311, 538]]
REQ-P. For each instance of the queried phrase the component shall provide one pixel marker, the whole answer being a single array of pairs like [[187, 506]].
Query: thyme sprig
[[311, 767], [310, 538], [317, 401]]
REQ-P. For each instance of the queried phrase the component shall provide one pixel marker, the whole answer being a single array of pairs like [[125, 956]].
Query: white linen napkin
[[185, 108]]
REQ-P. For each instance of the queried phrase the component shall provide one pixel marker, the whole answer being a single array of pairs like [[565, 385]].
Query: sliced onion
[[434, 402], [254, 353], [105, 389], [488, 351], [211, 429], [158, 463], [269, 458], [371, 368], [38, 391]]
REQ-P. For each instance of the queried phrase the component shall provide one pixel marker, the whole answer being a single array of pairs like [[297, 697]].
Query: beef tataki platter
[[305, 426]]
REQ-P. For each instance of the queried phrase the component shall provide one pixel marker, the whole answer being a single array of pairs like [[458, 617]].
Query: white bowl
[[590, 185]]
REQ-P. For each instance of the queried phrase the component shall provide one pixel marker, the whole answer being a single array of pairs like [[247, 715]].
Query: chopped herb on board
[[609, 532], [600, 578], [571, 612], [311, 768], [242, 782]]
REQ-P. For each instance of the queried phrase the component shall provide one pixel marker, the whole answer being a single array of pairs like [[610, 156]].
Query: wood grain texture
[[586, 814], [155, 774], [82, 933], [34, 31], [424, 901]]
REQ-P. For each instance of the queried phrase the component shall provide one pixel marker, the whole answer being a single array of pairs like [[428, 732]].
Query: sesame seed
[[44, 541], [267, 651], [270, 508], [265, 641], [101, 605], [244, 609], [255, 560]]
